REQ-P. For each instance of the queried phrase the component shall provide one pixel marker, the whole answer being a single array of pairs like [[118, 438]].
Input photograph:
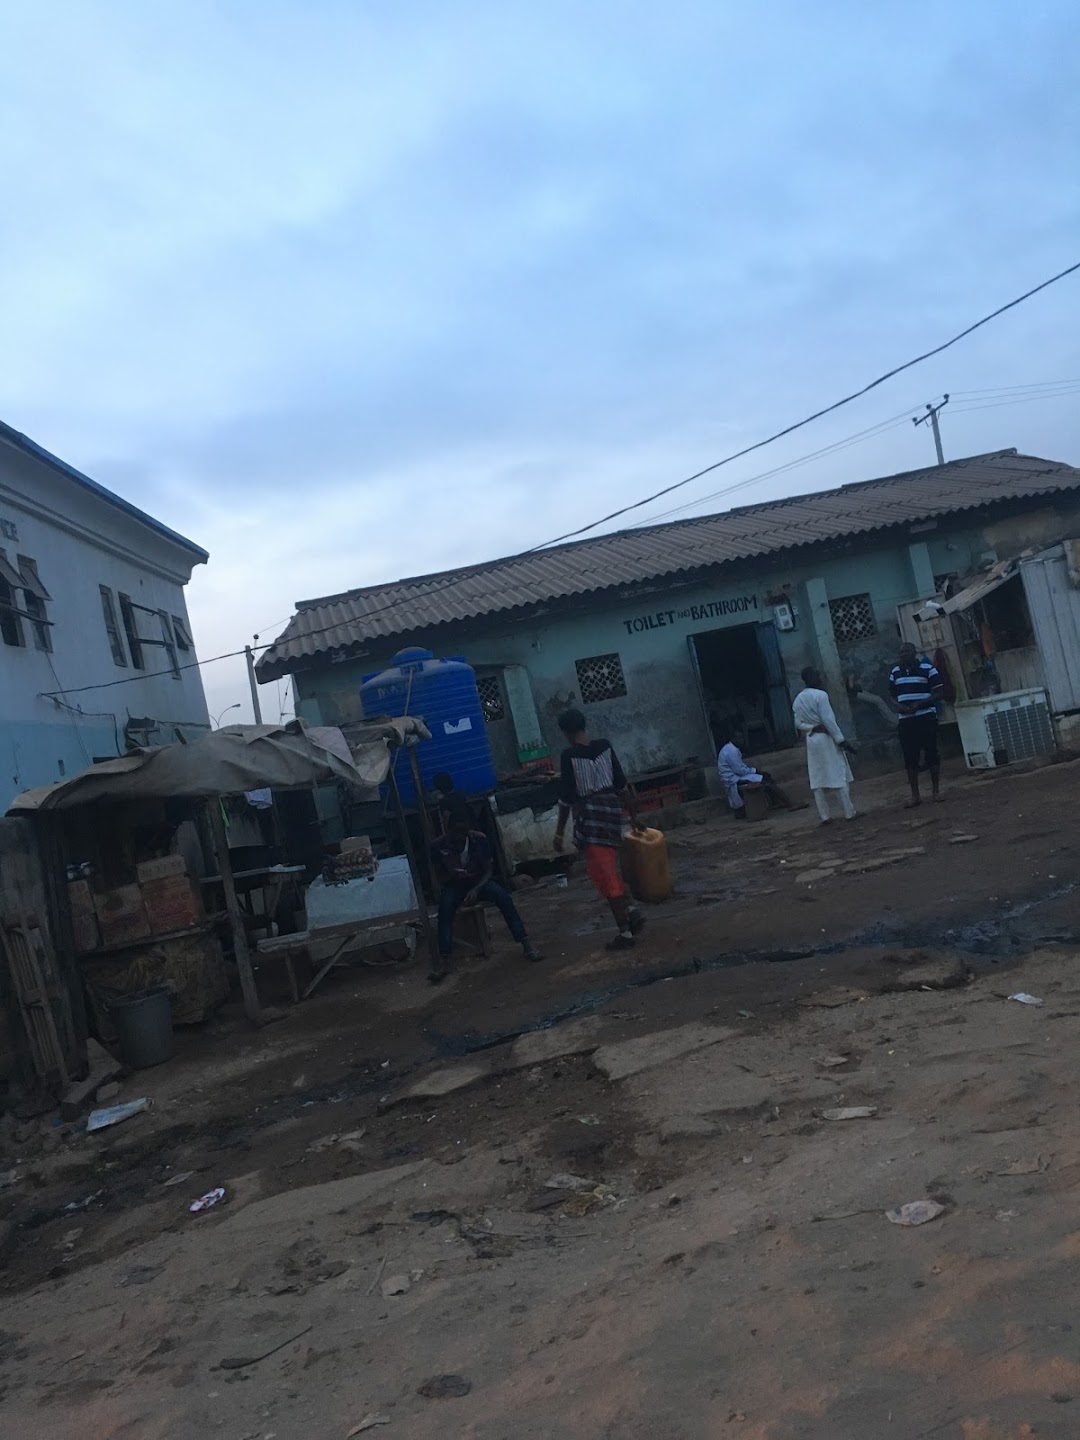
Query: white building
[[91, 591]]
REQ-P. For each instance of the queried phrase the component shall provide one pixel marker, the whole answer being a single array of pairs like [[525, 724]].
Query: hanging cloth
[[948, 688]]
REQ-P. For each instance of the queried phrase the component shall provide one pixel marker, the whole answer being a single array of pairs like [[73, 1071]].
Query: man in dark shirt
[[916, 687], [466, 864], [449, 802], [593, 787]]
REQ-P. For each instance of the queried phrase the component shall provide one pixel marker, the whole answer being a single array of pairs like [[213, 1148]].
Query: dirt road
[[627, 1213]]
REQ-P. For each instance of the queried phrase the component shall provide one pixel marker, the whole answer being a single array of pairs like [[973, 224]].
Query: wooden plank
[[410, 855], [145, 942], [328, 966], [50, 829], [50, 1052], [425, 821], [241, 949]]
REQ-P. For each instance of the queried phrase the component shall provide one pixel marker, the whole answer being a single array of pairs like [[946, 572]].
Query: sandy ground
[[613, 1204]]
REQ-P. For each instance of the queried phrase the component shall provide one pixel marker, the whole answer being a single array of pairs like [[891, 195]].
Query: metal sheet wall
[[1055, 613]]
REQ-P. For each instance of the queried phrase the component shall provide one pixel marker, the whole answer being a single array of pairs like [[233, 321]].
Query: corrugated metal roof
[[629, 557]]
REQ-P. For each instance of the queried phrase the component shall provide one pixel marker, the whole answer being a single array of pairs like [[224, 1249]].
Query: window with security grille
[[600, 678], [491, 697], [853, 618]]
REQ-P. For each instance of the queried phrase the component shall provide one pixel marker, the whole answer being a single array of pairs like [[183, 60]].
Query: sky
[[348, 291]]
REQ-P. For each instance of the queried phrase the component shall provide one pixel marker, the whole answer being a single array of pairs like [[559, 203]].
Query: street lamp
[[217, 718]]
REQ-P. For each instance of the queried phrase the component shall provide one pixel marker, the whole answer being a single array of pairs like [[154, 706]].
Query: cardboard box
[[161, 869], [352, 843], [172, 903], [83, 917], [121, 915]]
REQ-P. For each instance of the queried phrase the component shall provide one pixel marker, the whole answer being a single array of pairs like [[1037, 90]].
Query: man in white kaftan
[[826, 749]]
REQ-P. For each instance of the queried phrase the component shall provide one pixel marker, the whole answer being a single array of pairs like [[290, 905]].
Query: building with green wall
[[666, 634]]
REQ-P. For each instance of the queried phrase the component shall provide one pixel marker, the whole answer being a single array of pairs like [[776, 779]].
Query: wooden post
[[425, 818], [410, 855], [57, 917], [232, 909]]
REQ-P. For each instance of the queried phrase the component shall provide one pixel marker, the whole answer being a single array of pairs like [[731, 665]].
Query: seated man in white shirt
[[735, 772]]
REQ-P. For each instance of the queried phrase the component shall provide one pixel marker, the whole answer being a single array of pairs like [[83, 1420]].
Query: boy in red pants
[[593, 786]]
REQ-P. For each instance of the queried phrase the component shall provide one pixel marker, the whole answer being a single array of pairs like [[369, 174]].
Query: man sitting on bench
[[466, 864]]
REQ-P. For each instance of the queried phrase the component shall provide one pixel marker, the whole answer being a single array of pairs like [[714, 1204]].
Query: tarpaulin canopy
[[232, 761]]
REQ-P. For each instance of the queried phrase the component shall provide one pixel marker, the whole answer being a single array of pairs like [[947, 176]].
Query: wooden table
[[341, 938], [271, 880]]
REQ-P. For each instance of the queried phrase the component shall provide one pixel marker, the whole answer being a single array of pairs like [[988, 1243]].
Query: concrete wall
[[661, 721], [79, 542]]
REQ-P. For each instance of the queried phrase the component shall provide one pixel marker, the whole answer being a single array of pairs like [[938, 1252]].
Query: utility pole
[[249, 656], [931, 415]]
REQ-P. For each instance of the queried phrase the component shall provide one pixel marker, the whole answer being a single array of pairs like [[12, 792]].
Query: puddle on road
[[993, 940], [998, 939]]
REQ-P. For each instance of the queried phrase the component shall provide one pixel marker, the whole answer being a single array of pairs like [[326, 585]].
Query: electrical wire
[[809, 419], [872, 432], [1020, 400], [283, 697], [73, 711], [1011, 389], [443, 582], [438, 583], [893, 423]]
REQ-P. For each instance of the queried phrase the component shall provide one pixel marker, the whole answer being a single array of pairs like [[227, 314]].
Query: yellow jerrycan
[[645, 866]]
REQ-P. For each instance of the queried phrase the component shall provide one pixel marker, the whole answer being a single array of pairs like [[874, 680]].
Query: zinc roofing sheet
[[651, 553]]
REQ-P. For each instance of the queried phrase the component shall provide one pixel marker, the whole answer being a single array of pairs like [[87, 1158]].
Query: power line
[[441, 583], [817, 415], [1019, 400], [142, 675], [437, 584], [283, 698], [882, 427], [871, 432], [1011, 389]]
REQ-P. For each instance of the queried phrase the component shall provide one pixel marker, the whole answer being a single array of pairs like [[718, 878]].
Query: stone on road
[[644, 1052]]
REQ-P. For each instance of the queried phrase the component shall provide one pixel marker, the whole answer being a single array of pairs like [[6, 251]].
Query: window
[[168, 643], [853, 618], [600, 678], [182, 635], [131, 630], [34, 598], [491, 698], [112, 629], [35, 609], [138, 631], [11, 630], [24, 581]]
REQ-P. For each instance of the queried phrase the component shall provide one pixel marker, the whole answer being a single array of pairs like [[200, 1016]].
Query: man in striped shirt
[[916, 687]]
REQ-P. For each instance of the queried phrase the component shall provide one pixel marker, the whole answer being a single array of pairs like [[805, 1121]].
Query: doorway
[[743, 687]]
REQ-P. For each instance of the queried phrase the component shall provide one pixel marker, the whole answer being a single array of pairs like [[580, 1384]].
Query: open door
[[702, 696], [776, 682]]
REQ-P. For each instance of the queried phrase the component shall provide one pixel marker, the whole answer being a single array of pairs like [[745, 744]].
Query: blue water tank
[[444, 694]]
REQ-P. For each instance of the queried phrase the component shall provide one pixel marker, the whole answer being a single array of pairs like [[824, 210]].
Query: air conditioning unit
[[1001, 729]]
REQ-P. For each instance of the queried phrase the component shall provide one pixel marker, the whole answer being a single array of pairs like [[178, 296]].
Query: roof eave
[[275, 667], [38, 452]]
